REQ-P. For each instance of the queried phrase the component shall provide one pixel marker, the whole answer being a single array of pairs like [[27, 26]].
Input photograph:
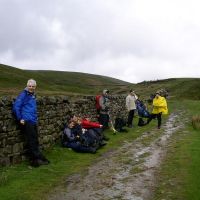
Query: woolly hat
[[105, 91], [158, 92]]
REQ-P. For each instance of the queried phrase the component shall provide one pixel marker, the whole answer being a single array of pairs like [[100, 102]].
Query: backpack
[[119, 124], [97, 104]]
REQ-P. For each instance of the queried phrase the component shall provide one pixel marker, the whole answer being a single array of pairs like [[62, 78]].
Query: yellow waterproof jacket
[[160, 105]]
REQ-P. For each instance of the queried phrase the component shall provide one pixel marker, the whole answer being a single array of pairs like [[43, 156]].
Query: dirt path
[[126, 174]]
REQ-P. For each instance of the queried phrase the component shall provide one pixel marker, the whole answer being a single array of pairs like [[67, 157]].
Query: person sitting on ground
[[94, 128], [159, 108], [90, 138], [71, 139]]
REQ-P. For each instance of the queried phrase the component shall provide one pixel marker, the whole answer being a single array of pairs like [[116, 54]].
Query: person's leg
[[76, 146], [31, 135], [159, 117], [151, 116], [104, 120], [130, 118]]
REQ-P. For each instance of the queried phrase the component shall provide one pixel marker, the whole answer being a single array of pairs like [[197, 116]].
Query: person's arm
[[136, 97], [68, 133], [17, 106], [88, 124]]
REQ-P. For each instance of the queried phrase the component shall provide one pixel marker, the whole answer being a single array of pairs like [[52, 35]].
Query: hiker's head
[[87, 117], [105, 92], [132, 92], [157, 94], [31, 85], [71, 123]]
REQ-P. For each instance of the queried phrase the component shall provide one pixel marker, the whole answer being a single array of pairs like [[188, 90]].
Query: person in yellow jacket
[[159, 108]]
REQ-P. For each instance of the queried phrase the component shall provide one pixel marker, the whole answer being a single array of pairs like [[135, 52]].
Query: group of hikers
[[80, 133]]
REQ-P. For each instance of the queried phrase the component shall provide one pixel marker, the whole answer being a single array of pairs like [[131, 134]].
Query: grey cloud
[[116, 38]]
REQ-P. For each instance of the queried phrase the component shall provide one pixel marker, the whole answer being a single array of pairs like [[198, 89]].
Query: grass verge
[[179, 176], [21, 182]]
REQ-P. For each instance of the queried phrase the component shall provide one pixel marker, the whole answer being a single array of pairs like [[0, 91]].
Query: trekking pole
[[112, 126]]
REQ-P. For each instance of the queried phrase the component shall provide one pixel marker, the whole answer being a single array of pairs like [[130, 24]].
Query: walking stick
[[112, 126]]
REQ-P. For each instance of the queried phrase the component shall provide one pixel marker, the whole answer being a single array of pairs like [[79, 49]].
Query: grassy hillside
[[12, 80], [182, 88]]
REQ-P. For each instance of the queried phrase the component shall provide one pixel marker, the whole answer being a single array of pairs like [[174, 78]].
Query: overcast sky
[[132, 40]]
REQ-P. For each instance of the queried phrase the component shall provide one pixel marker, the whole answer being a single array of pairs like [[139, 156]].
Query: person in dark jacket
[[72, 139], [25, 110], [104, 109]]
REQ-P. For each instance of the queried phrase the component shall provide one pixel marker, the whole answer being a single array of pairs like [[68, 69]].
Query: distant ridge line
[[109, 84]]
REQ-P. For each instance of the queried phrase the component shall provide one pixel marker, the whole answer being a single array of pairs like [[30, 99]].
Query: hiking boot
[[44, 159], [38, 162], [102, 143], [42, 162], [34, 163], [105, 138]]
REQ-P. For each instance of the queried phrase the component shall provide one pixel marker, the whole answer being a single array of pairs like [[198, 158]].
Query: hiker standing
[[159, 108], [104, 103], [131, 107], [25, 110]]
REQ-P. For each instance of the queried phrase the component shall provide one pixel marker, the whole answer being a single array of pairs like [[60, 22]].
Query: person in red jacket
[[86, 123]]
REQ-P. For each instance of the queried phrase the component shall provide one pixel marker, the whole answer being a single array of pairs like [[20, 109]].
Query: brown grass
[[196, 122]]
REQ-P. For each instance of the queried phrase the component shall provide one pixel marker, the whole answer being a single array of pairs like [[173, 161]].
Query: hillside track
[[129, 173]]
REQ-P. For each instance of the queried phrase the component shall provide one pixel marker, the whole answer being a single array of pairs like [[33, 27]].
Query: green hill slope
[[12, 80], [182, 88]]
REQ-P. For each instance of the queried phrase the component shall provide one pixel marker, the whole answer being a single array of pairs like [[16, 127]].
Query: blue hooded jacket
[[25, 107], [141, 108]]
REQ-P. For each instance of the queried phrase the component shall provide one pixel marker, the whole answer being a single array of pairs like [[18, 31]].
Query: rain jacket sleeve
[[88, 124], [17, 106]]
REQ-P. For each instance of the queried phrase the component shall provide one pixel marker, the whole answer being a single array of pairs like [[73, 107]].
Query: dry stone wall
[[53, 113]]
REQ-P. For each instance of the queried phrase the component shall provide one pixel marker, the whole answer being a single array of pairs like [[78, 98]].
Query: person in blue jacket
[[25, 110], [142, 112]]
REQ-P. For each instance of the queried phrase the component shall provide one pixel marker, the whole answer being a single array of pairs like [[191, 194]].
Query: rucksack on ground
[[119, 124]]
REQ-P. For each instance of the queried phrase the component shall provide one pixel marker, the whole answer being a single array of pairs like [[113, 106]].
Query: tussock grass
[[3, 178], [196, 122]]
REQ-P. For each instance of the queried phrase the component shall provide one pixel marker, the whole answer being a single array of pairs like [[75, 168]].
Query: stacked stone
[[53, 114]]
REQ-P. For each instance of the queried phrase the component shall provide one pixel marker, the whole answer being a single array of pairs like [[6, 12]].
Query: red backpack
[[98, 107]]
